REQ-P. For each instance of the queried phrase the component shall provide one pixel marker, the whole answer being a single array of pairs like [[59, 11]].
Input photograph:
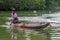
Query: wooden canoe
[[32, 24]]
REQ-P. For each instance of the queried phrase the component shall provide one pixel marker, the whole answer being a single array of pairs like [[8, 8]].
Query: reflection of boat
[[32, 24]]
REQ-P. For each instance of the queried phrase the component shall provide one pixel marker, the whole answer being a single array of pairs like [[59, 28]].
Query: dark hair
[[13, 13]]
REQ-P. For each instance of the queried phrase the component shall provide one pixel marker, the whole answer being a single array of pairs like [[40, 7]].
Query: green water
[[4, 35]]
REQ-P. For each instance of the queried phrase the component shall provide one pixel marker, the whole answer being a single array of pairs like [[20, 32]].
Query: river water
[[55, 33], [54, 20]]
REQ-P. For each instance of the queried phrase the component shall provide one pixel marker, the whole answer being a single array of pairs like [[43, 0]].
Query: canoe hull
[[36, 26], [32, 25]]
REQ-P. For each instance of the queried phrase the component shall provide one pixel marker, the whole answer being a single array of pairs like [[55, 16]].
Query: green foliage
[[52, 4], [29, 4], [23, 4], [1, 1]]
